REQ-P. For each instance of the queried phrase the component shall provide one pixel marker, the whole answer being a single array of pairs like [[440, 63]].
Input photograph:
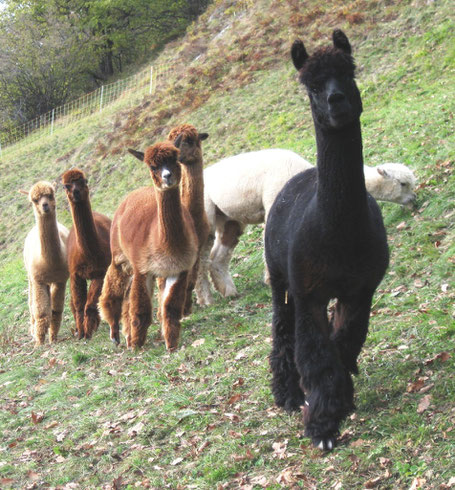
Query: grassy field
[[88, 415]]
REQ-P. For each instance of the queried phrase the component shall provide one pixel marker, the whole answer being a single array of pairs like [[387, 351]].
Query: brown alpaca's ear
[[138, 154], [21, 191], [178, 140], [203, 136], [340, 41], [298, 54]]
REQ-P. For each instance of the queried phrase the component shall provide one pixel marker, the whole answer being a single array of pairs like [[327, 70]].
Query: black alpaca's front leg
[[285, 382], [349, 325], [327, 383]]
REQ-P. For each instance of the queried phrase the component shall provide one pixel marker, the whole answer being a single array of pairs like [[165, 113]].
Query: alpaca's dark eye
[[403, 184], [68, 187], [35, 201]]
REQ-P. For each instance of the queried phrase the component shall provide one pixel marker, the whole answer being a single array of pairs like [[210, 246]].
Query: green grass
[[203, 417]]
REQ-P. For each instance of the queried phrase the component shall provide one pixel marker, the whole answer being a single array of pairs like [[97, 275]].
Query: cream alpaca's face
[[43, 200], [398, 185]]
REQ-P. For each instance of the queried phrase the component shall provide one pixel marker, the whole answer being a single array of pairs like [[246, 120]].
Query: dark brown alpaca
[[152, 236], [324, 240], [88, 253], [192, 192]]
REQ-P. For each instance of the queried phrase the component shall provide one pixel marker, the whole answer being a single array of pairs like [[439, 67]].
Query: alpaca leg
[[285, 381], [91, 314], [349, 329], [57, 304], [221, 254], [139, 310], [326, 382], [203, 289], [110, 302], [78, 300], [31, 302], [173, 301], [192, 277], [41, 311]]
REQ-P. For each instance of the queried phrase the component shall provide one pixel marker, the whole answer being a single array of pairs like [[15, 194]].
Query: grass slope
[[86, 415]]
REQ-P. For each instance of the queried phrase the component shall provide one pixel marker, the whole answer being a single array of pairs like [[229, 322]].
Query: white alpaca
[[46, 263], [232, 203]]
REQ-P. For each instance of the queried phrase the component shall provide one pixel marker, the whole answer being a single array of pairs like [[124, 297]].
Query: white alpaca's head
[[42, 197], [397, 184]]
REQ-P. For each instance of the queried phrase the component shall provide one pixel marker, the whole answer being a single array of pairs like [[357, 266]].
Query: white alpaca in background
[[239, 190], [45, 258]]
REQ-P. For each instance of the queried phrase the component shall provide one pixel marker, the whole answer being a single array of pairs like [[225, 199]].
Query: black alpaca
[[324, 239]]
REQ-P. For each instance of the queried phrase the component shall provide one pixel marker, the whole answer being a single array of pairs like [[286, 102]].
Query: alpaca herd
[[324, 240]]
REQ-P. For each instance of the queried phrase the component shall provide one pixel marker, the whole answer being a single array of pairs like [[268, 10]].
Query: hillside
[[87, 415]]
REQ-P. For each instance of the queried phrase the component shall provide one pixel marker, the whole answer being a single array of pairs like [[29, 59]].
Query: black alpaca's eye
[[68, 187]]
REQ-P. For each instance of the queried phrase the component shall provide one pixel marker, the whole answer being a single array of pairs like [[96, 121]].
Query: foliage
[[53, 50]]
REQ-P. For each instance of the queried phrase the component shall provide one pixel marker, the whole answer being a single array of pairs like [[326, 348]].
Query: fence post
[[52, 121], [101, 97], [151, 80]]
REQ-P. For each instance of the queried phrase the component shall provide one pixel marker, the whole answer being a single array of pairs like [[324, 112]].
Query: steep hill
[[90, 415]]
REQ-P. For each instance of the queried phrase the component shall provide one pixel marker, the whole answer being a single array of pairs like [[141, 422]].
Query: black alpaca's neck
[[84, 224], [342, 193], [49, 238], [171, 226]]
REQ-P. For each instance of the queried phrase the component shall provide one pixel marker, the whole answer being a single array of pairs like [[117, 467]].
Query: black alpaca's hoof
[[115, 341], [324, 444]]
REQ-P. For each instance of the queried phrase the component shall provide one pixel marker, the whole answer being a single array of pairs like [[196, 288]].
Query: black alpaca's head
[[329, 77]]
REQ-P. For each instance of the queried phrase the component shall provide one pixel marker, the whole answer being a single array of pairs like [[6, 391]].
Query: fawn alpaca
[[45, 257]]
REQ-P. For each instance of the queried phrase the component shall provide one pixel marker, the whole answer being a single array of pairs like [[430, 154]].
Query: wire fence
[[59, 117]]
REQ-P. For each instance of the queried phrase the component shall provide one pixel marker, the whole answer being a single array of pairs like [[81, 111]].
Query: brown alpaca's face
[[165, 174], [190, 148], [76, 189], [43, 200]]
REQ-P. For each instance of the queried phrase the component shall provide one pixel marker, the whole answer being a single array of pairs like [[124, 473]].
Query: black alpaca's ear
[[178, 140], [138, 154], [340, 41], [298, 54], [203, 136]]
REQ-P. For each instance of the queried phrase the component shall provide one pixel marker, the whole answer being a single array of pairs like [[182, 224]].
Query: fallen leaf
[[31, 475], [417, 483], [279, 449], [176, 461], [234, 398], [136, 429], [424, 404], [373, 482], [60, 459], [442, 356], [37, 417], [198, 342], [402, 225], [415, 386]]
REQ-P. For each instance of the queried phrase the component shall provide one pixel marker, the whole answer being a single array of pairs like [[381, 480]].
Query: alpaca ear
[[22, 191], [340, 41], [138, 154], [178, 140], [383, 172], [298, 54], [203, 136]]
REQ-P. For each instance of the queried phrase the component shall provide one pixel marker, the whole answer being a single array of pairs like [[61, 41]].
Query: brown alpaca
[[192, 192], [88, 253], [45, 257], [152, 236]]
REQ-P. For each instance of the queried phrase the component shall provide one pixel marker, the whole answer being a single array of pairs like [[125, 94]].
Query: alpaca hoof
[[324, 444], [115, 341]]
